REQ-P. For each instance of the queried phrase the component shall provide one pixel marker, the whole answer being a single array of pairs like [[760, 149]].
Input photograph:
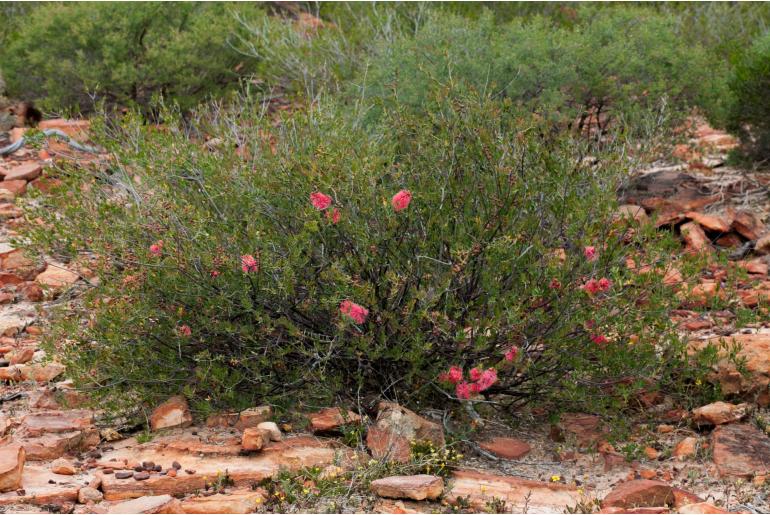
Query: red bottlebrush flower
[[401, 200], [599, 339], [475, 374], [554, 284], [590, 253], [320, 201], [215, 273], [604, 284], [511, 354], [463, 390], [249, 263], [454, 376], [184, 330], [156, 248], [592, 286], [487, 379], [356, 312], [333, 216]]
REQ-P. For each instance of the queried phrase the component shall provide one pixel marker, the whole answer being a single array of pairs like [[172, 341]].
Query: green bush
[[123, 52], [749, 114], [617, 65], [220, 279]]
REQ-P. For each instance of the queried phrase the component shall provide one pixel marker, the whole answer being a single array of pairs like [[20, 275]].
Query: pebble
[[141, 476], [176, 465], [190, 471], [123, 474]]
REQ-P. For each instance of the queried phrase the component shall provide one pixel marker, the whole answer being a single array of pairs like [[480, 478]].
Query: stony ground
[[58, 456]]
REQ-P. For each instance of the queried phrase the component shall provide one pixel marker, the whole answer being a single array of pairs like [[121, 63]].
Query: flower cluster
[[354, 311], [156, 248], [594, 286], [480, 380], [249, 263], [320, 201], [401, 200], [184, 330], [590, 253], [510, 355]]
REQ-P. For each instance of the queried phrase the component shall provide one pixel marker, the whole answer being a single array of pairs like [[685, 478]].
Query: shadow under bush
[[220, 278]]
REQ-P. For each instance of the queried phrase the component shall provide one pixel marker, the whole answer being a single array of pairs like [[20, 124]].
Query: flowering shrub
[[465, 258]]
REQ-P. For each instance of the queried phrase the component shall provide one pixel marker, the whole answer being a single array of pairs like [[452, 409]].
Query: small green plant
[[431, 460]]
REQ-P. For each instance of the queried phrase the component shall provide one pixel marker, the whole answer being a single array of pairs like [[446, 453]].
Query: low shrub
[[64, 55], [749, 113], [437, 256]]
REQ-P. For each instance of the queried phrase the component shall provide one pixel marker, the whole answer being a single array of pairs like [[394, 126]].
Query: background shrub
[[468, 271], [63, 53]]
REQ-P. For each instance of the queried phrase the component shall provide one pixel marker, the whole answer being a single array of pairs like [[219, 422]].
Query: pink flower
[[604, 284], [487, 379], [454, 376], [184, 330], [599, 339], [590, 324], [463, 390], [156, 248], [475, 374], [356, 312], [333, 216], [590, 253], [554, 284], [320, 201], [401, 200], [249, 264], [592, 286], [215, 273], [511, 354]]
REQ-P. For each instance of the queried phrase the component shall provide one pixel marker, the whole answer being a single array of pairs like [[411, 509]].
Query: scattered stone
[[740, 451], [222, 420], [694, 237], [701, 507], [37, 424], [17, 187], [254, 438], [57, 277], [685, 448], [38, 489], [709, 222], [508, 448], [25, 172], [748, 225], [252, 417], [12, 459], [585, 430], [123, 474], [175, 412], [52, 446], [682, 497], [396, 427], [141, 476], [632, 212], [272, 428], [88, 494], [20, 356], [41, 373], [718, 413], [418, 488], [640, 493], [148, 504], [331, 419], [62, 466]]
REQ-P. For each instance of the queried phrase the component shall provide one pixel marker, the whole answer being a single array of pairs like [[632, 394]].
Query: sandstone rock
[[396, 428], [38, 490], [479, 488], [77, 129], [174, 412], [238, 501], [754, 349], [632, 212], [12, 459], [508, 448], [740, 451], [56, 277], [701, 507], [685, 448], [20, 356], [17, 262], [272, 428], [252, 417], [18, 187], [62, 466], [222, 420], [748, 225], [418, 488], [52, 446], [709, 222], [640, 493], [585, 430], [762, 246], [331, 419], [718, 413], [254, 438], [88, 494], [41, 373], [14, 318], [36, 424], [694, 237], [26, 172], [148, 504]]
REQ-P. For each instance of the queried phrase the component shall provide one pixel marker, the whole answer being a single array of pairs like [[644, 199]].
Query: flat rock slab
[[238, 501], [479, 488], [27, 172], [148, 504], [640, 493], [38, 490], [332, 419], [417, 488], [43, 422], [740, 451], [508, 448], [245, 471]]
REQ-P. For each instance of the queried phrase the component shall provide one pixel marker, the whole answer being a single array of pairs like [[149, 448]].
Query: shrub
[[125, 53], [613, 66], [749, 114]]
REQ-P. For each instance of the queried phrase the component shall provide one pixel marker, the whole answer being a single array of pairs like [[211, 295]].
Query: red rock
[[57, 277], [729, 240], [396, 427], [252, 417], [20, 356], [418, 488], [718, 413], [701, 507], [740, 451], [18, 187], [174, 412], [632, 212], [17, 262], [37, 490], [77, 129], [8, 279], [88, 494], [755, 266], [748, 225], [640, 493], [709, 222], [695, 238], [222, 420], [41, 373], [641, 510], [148, 504], [254, 439], [12, 459], [36, 424], [31, 291], [648, 473], [63, 467], [27, 172], [683, 497], [55, 445], [685, 448], [508, 448], [479, 488], [237, 501], [585, 430], [332, 419]]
